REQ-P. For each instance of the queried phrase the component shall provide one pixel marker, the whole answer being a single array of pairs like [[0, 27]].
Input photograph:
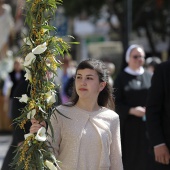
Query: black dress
[[132, 91], [16, 81], [18, 134]]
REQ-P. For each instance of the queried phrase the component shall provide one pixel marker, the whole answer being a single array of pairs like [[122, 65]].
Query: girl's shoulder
[[108, 113], [64, 109]]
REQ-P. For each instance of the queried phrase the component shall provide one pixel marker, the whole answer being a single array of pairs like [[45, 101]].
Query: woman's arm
[[115, 148]]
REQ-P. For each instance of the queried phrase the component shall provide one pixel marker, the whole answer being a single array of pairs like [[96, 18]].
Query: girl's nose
[[83, 81]]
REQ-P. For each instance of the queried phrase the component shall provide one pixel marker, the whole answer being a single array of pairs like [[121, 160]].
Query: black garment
[[158, 109], [69, 86], [18, 134], [131, 91], [15, 81]]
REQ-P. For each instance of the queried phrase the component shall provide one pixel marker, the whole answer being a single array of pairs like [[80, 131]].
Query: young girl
[[90, 138]]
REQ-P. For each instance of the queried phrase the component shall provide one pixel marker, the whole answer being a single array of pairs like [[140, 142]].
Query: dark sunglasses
[[137, 56]]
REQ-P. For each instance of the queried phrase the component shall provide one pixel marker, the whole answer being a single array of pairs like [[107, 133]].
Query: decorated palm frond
[[40, 51]]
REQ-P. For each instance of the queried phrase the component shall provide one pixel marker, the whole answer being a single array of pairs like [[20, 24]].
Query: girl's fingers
[[43, 124], [34, 121], [34, 129], [36, 125]]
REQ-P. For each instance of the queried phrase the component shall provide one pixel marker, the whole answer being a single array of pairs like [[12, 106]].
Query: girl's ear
[[102, 86]]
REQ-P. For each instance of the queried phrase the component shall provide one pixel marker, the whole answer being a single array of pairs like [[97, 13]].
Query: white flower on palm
[[31, 114], [27, 135], [27, 41], [48, 64], [40, 48], [29, 59], [50, 97], [24, 98], [28, 75], [41, 134], [50, 165]]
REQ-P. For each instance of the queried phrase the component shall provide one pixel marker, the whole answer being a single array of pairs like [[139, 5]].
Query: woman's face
[[17, 66], [87, 84], [136, 59]]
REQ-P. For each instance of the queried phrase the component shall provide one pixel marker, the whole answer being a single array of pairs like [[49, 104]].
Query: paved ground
[[5, 141]]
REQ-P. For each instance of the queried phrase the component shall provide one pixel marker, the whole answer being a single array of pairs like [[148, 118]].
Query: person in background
[[111, 69], [18, 134], [14, 78], [6, 28], [68, 88], [151, 63], [158, 117], [63, 75], [90, 139], [131, 90]]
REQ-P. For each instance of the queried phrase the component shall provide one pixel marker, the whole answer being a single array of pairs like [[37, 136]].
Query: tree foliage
[[75, 7], [153, 16]]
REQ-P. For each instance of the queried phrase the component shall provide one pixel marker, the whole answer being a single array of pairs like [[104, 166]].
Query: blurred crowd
[[11, 30]]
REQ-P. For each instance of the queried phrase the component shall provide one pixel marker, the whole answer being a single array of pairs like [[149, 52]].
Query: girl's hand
[[36, 125]]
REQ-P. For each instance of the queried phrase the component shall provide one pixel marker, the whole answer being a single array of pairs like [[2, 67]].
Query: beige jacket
[[73, 144]]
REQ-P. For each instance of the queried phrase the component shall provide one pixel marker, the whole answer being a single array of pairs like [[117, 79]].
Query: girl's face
[[87, 84], [136, 59]]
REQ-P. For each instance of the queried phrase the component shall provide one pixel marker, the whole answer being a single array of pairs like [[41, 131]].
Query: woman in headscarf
[[131, 89]]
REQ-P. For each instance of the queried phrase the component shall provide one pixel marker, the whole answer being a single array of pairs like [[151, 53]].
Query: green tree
[[152, 16], [75, 7]]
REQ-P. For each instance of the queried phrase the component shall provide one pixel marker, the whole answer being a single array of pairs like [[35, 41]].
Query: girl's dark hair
[[105, 97]]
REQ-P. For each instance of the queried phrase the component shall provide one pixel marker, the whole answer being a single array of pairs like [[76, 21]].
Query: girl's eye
[[89, 78], [78, 77]]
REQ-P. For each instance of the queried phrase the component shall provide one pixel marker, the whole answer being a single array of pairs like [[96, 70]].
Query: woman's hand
[[137, 111], [36, 125]]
